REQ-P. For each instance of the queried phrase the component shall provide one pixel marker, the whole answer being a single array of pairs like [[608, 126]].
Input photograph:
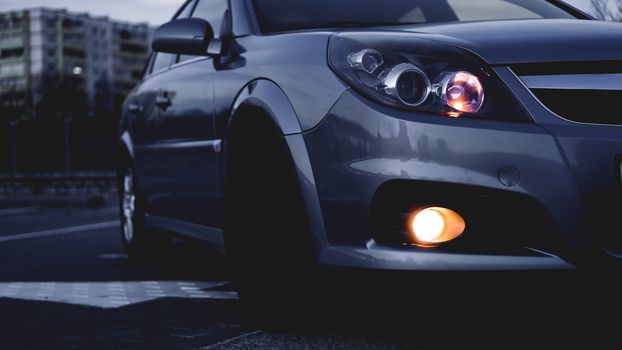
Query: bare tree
[[599, 8], [608, 10]]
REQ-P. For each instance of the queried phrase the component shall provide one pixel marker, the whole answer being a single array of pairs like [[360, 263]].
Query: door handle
[[134, 107], [163, 101]]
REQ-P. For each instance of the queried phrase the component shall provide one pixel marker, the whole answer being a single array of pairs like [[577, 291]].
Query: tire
[[266, 228], [138, 244]]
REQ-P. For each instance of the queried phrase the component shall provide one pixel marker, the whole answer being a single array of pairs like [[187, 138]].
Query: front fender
[[268, 97]]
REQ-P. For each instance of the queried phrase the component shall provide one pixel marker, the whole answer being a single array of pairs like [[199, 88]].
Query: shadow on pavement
[[159, 324], [349, 310], [450, 310]]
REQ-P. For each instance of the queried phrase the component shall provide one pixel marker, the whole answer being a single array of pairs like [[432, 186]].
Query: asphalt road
[[65, 283]]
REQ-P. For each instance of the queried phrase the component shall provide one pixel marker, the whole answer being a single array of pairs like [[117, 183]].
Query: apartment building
[[100, 57]]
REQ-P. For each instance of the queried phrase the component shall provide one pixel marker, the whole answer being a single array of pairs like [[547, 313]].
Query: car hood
[[531, 41]]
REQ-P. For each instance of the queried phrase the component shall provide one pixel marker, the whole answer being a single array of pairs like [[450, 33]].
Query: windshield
[[284, 15]]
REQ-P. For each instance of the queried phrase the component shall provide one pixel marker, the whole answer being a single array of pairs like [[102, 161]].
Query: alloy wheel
[[129, 207]]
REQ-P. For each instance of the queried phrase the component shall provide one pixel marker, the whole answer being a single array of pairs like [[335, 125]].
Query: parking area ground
[[65, 283]]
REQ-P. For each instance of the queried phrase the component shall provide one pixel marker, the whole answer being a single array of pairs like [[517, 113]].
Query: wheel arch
[[125, 147], [267, 96], [125, 157], [264, 99]]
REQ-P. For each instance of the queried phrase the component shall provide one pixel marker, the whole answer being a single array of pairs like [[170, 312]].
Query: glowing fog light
[[432, 226], [463, 92]]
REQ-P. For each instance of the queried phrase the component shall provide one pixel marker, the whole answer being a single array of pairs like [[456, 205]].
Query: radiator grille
[[584, 106], [585, 92]]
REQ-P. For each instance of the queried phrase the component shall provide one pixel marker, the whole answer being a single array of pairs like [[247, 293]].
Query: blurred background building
[[63, 79], [60, 64]]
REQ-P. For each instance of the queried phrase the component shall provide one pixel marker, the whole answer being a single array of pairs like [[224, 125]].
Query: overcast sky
[[152, 11]]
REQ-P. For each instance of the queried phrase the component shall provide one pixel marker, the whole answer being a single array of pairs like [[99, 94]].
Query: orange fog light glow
[[432, 226]]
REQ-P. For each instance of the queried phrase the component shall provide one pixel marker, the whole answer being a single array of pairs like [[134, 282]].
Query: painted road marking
[[189, 288], [113, 294], [60, 231]]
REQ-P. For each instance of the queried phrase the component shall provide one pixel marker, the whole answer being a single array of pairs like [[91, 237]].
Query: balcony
[[11, 42]]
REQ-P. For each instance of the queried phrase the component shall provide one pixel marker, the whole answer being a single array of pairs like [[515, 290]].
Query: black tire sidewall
[[267, 236]]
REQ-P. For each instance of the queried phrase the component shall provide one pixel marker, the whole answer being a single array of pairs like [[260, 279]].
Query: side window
[[164, 60], [213, 11], [147, 68], [185, 13]]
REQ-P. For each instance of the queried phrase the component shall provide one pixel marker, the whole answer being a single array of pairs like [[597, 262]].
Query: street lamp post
[[67, 153], [13, 148]]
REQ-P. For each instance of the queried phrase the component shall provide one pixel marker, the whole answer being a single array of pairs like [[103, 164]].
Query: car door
[[144, 121], [188, 150], [144, 108]]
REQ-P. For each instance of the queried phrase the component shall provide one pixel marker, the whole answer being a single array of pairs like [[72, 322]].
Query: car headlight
[[409, 72]]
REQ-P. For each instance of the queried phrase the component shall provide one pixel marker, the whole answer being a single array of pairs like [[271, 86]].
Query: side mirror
[[186, 36]]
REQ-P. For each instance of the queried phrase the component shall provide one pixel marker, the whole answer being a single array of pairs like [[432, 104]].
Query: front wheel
[[267, 233]]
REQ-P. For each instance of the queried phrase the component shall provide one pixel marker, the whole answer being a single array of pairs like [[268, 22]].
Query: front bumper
[[361, 145], [375, 256]]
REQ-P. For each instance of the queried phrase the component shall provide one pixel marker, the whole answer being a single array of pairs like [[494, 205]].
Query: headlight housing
[[409, 72]]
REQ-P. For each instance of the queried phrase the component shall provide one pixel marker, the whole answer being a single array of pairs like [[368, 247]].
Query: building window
[[133, 48], [125, 35], [72, 52], [69, 23], [12, 52]]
